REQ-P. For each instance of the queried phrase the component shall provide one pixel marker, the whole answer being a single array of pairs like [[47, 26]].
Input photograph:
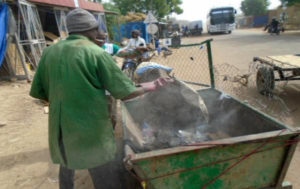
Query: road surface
[[241, 46]]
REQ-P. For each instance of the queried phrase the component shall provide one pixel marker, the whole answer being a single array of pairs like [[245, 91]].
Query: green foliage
[[111, 7], [254, 7], [161, 8], [174, 6], [111, 20], [290, 2]]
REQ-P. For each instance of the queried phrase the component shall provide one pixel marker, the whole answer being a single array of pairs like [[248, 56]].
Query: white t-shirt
[[134, 43]]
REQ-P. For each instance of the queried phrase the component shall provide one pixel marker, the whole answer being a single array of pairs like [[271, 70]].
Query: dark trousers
[[106, 176]]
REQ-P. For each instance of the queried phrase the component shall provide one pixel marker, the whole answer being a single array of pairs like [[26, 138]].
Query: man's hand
[[157, 84]]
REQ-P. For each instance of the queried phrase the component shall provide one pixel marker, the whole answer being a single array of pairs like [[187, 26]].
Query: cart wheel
[[265, 81]]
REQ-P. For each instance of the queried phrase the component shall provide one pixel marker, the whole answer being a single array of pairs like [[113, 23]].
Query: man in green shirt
[[110, 48], [72, 76]]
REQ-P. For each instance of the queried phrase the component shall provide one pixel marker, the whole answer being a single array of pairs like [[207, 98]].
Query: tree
[[254, 7], [290, 2], [160, 8], [111, 7], [111, 20]]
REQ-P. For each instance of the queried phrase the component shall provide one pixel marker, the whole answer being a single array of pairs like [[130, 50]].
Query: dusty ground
[[24, 156]]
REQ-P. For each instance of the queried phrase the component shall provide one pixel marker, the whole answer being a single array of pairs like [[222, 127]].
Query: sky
[[198, 9]]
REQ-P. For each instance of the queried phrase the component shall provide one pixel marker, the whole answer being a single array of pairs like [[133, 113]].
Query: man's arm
[[128, 45], [116, 49], [138, 92], [148, 87]]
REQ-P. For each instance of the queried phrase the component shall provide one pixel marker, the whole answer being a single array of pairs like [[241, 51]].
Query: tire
[[129, 68], [129, 72], [176, 41], [265, 81], [270, 31], [229, 32]]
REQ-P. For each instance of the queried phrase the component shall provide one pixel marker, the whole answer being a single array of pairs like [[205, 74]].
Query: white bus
[[221, 20]]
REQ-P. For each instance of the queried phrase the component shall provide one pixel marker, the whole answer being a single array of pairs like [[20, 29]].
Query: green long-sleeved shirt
[[73, 76]]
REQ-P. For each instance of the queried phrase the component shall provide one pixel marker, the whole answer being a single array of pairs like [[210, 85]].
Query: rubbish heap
[[171, 116]]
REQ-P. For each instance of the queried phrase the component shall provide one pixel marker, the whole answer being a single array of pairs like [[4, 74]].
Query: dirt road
[[241, 46], [24, 156]]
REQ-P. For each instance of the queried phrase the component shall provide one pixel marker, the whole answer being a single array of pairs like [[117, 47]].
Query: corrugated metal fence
[[260, 21]]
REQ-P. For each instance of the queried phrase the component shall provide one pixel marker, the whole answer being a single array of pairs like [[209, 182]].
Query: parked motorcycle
[[133, 58]]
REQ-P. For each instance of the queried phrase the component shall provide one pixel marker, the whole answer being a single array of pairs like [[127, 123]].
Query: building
[[34, 24], [290, 16]]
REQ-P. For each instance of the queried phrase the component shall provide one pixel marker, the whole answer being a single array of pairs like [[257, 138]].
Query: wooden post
[[22, 58]]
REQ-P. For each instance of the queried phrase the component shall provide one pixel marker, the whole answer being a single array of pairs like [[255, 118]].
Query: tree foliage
[[160, 8], [111, 7], [290, 2], [254, 7], [111, 20]]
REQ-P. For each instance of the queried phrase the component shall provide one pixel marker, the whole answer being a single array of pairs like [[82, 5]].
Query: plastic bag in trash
[[145, 66]]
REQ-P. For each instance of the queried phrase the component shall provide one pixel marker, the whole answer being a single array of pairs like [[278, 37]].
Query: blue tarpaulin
[[4, 13]]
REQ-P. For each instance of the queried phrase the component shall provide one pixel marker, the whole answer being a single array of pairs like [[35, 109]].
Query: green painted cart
[[248, 150]]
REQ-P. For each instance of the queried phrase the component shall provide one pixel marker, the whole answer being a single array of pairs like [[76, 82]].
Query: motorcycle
[[274, 29], [133, 58]]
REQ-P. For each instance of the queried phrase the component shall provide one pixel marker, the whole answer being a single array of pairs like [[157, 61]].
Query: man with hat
[[72, 76], [136, 42]]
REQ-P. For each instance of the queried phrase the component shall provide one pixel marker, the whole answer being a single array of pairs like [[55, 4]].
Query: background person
[[136, 42], [110, 48]]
